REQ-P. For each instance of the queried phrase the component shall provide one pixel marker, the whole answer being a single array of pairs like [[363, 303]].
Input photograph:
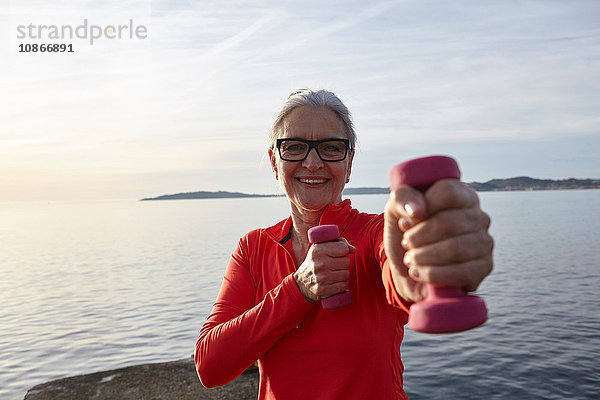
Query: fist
[[324, 271], [438, 237]]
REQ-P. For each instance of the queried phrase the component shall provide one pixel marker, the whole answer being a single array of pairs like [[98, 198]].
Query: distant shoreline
[[522, 183]]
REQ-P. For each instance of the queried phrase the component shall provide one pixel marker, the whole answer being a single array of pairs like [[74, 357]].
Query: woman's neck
[[302, 222]]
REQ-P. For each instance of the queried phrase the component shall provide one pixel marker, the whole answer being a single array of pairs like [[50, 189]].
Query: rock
[[170, 380]]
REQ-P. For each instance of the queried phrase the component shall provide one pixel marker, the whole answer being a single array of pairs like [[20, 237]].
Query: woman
[[268, 307]]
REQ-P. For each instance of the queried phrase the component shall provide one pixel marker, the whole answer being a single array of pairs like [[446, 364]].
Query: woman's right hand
[[324, 271]]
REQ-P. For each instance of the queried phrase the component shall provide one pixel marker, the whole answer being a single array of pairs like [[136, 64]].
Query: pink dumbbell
[[446, 309], [326, 233]]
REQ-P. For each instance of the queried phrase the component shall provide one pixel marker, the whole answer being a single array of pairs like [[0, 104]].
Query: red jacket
[[304, 351]]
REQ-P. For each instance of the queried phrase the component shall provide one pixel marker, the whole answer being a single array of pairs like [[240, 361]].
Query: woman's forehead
[[313, 122]]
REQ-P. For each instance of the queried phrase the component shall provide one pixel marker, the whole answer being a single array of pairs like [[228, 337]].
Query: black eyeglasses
[[327, 149]]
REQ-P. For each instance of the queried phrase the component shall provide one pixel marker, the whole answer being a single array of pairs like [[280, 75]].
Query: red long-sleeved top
[[304, 351]]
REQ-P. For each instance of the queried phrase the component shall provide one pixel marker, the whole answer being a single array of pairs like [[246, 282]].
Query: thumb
[[406, 206], [408, 203], [351, 249], [392, 234], [405, 286]]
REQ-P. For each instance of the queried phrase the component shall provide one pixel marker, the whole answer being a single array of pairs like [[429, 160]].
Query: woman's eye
[[332, 148], [294, 147]]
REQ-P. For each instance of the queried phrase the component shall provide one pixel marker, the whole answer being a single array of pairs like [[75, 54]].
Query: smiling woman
[[267, 311]]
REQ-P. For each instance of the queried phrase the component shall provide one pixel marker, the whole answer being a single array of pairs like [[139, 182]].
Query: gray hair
[[314, 98]]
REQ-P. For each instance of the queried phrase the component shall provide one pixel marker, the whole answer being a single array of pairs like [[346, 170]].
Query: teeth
[[312, 181]]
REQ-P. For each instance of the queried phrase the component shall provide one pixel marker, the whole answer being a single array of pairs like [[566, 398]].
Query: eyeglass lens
[[328, 150]]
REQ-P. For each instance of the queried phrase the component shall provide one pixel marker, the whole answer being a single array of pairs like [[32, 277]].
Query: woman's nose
[[312, 162]]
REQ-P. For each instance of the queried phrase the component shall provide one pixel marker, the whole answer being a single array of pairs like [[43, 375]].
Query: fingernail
[[404, 224], [409, 208], [404, 244], [413, 272]]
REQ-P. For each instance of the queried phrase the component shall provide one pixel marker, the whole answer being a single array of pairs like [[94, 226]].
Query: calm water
[[99, 285]]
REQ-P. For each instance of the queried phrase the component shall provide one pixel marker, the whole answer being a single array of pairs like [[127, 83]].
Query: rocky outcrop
[[176, 380]]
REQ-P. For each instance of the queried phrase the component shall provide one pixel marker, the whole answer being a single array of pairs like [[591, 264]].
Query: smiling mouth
[[313, 181]]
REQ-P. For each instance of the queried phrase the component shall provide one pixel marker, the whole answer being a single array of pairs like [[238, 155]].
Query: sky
[[509, 88]]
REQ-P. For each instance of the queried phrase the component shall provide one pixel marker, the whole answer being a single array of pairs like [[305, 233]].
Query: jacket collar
[[334, 214]]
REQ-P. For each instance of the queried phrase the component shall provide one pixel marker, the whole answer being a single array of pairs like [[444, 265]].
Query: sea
[[87, 286]]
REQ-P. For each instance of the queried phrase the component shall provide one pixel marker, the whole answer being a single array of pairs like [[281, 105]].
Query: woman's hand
[[438, 237], [324, 271]]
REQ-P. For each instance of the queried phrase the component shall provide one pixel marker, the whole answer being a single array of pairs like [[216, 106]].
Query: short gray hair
[[314, 98]]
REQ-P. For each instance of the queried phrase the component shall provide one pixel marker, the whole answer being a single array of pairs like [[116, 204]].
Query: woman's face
[[312, 184]]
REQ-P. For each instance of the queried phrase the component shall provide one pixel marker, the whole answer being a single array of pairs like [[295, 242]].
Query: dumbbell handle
[[326, 233]]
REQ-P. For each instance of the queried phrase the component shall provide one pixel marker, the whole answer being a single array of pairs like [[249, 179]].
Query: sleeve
[[386, 274], [238, 332]]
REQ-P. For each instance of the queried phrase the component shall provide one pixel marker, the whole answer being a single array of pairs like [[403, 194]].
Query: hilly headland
[[494, 185]]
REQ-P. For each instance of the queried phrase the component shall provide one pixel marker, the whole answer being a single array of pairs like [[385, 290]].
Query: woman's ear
[[349, 169], [273, 163]]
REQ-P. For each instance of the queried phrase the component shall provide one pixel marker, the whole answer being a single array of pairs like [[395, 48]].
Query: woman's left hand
[[438, 237]]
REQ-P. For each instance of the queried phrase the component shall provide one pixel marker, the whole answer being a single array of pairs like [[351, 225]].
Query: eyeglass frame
[[313, 144]]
